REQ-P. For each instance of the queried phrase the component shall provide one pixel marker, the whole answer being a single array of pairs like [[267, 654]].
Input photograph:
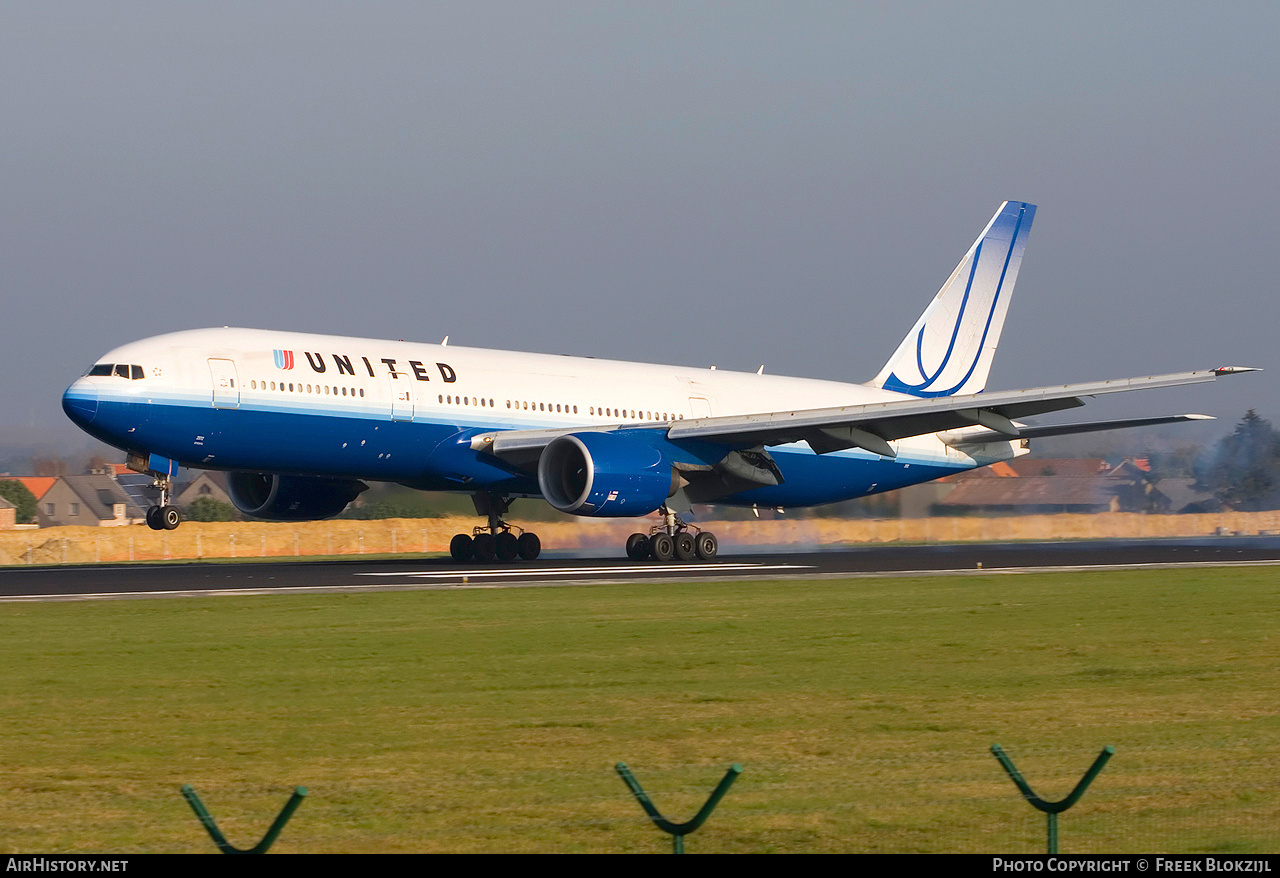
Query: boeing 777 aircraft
[[302, 421]]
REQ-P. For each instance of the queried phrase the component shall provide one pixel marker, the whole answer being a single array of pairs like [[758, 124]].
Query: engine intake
[[604, 475], [291, 498]]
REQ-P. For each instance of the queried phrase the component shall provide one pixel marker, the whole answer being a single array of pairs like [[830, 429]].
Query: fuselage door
[[226, 385], [699, 407], [401, 397]]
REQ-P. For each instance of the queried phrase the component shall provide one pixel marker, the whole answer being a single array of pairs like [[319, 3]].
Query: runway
[[100, 582]]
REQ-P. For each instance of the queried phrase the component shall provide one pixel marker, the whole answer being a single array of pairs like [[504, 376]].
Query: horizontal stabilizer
[[970, 438]]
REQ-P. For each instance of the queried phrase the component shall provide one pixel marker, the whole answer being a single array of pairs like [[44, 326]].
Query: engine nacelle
[[604, 475], [291, 498]]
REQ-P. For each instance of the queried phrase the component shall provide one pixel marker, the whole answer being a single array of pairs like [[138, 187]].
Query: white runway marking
[[580, 571]]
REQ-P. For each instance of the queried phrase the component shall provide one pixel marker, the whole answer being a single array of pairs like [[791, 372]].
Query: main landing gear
[[164, 516], [494, 541], [673, 540]]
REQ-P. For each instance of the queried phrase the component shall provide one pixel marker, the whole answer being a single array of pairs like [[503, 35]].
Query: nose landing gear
[[163, 516]]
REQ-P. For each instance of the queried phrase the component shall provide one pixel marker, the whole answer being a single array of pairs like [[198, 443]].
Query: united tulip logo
[[284, 359]]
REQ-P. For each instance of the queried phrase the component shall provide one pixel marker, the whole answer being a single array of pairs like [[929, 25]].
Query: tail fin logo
[[284, 359], [950, 349]]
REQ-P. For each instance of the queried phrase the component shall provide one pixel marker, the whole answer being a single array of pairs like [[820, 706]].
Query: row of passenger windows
[[449, 399], [120, 370], [563, 408], [467, 400], [291, 387], [634, 414]]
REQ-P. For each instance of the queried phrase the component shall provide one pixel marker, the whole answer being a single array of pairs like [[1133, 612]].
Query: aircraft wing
[[872, 426]]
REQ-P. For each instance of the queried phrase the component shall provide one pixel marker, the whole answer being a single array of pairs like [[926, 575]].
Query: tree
[[18, 494], [1245, 469], [48, 466], [208, 509]]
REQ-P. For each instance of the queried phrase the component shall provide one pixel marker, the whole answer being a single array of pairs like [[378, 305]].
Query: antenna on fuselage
[[445, 342]]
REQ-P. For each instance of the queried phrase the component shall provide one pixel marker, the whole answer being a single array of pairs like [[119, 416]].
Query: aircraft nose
[[80, 401]]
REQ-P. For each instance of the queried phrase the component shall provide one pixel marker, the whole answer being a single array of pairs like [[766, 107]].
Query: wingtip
[[1234, 370]]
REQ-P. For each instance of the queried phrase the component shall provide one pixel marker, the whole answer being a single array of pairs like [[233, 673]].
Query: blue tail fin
[[949, 350]]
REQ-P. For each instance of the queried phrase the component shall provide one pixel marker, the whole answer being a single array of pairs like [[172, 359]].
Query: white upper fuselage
[[526, 388]]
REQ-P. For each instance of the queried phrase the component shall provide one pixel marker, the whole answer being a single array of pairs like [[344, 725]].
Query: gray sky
[[728, 183]]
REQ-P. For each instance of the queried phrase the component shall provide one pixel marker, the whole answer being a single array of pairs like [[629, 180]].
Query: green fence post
[[1052, 809], [299, 793], [678, 831]]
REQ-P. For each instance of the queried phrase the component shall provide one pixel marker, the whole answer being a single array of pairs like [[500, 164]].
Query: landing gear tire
[[485, 547], [683, 546], [529, 546], [638, 547], [662, 547], [507, 546], [461, 548], [706, 545], [153, 518], [170, 517]]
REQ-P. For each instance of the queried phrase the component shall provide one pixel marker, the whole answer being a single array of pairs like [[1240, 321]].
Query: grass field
[[862, 712]]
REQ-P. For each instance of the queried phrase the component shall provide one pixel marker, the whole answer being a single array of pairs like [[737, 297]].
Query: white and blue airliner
[[301, 422]]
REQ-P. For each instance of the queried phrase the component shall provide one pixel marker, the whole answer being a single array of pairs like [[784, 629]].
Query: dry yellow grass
[[391, 536]]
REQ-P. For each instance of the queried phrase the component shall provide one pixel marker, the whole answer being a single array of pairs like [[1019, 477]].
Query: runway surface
[[88, 582]]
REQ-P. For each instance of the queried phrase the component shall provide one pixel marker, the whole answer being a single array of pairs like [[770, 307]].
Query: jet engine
[[291, 498], [604, 475]]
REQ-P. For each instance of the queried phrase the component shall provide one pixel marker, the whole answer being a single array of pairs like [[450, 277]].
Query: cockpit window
[[130, 371]]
